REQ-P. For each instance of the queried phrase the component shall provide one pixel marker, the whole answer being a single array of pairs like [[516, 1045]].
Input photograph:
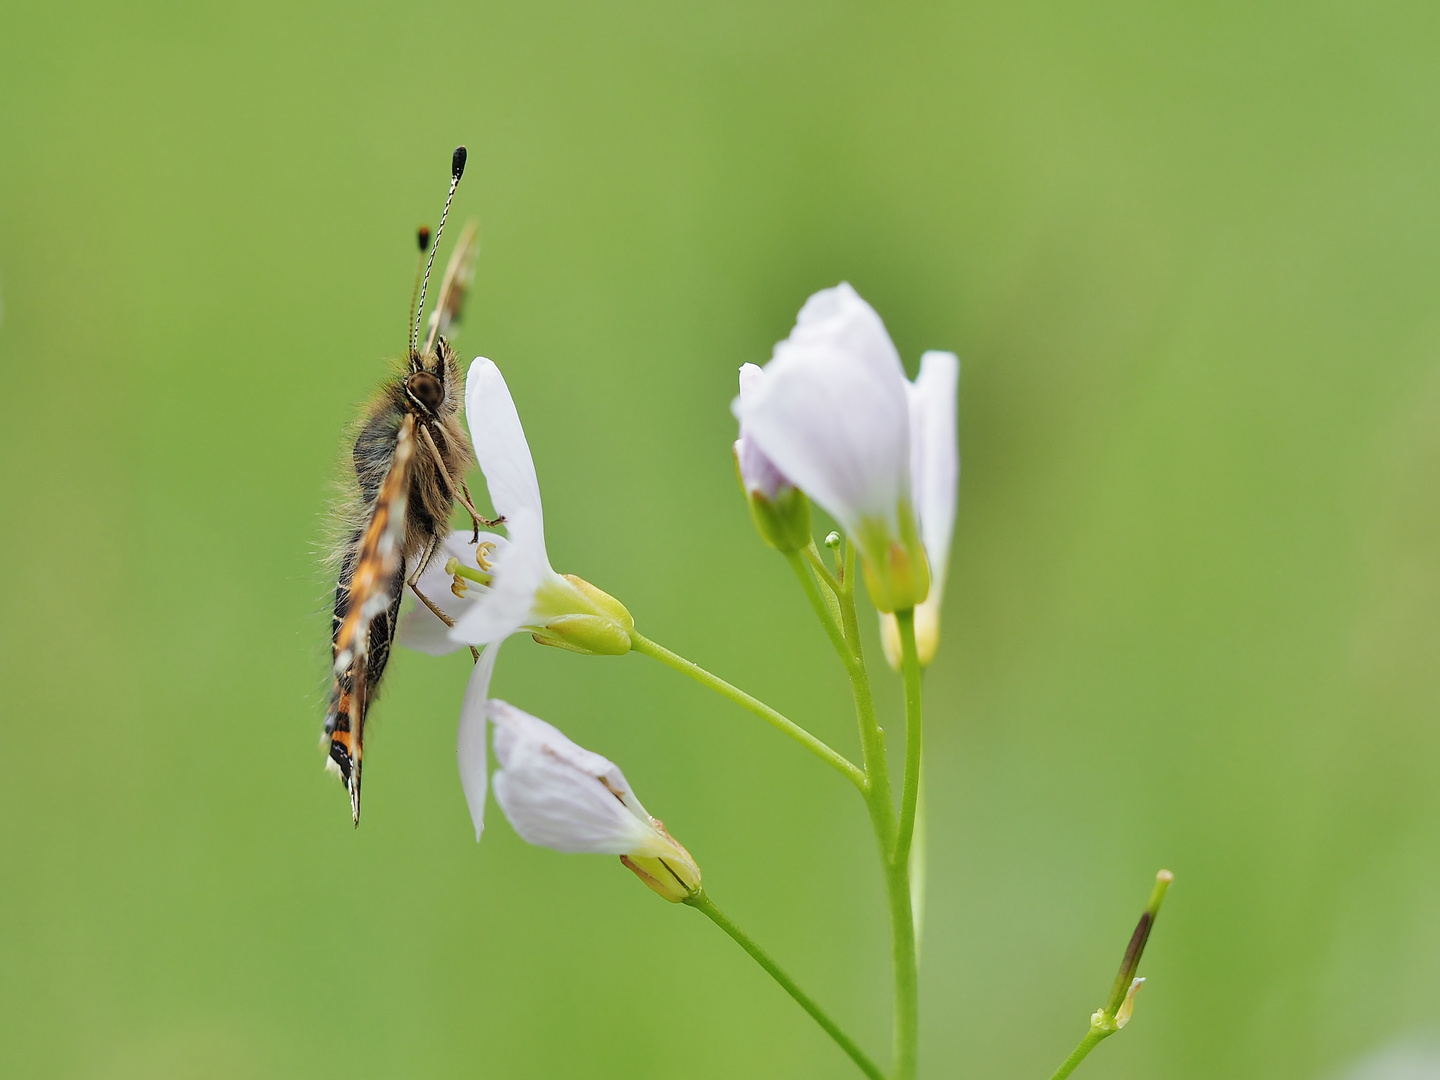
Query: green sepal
[[897, 572]]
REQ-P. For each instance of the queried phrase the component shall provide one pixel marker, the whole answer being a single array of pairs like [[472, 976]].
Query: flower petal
[[470, 741], [518, 570], [831, 412], [419, 627], [935, 459], [757, 472], [935, 473], [500, 446], [560, 795]]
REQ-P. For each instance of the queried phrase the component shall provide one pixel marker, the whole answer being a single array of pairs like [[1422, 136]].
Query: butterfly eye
[[425, 390]]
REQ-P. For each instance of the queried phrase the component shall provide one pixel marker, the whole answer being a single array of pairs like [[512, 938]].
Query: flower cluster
[[831, 418], [832, 415]]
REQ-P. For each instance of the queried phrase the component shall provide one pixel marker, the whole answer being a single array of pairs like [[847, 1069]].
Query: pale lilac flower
[[835, 415], [559, 795]]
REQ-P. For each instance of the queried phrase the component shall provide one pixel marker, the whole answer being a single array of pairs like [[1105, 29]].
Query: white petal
[[832, 412], [518, 570], [419, 627], [470, 742], [560, 795], [500, 446], [935, 459], [757, 472]]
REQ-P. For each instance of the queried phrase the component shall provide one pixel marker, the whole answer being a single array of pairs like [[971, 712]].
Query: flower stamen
[[483, 551], [459, 572]]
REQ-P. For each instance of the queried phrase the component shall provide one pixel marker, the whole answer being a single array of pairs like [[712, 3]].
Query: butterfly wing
[[367, 603]]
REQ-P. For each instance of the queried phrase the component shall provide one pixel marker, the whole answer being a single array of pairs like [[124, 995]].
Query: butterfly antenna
[[422, 238], [457, 169]]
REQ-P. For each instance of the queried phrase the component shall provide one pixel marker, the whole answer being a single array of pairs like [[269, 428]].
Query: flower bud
[[780, 511], [783, 521]]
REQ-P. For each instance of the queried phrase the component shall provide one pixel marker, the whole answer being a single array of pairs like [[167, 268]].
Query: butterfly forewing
[[367, 602], [409, 460]]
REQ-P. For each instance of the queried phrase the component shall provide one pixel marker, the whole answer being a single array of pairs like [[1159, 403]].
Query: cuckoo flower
[[560, 795], [780, 510], [934, 475], [831, 414], [507, 585]]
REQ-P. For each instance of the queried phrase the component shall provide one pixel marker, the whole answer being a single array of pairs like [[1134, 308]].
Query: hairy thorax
[[443, 455]]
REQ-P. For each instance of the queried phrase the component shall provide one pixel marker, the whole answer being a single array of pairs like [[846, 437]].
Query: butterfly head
[[425, 391], [427, 384]]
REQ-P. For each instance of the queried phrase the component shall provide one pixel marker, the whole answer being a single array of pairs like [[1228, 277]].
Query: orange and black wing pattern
[[367, 604]]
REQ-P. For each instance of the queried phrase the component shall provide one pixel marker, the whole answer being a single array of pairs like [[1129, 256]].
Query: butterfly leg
[[469, 504], [423, 562], [435, 610], [458, 491]]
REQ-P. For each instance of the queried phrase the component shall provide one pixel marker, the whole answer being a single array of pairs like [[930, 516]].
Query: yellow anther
[[483, 551], [458, 586]]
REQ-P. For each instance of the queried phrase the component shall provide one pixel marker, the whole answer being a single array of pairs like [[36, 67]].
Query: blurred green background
[[1189, 255]]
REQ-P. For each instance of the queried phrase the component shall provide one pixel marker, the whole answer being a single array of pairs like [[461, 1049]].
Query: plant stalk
[[702, 903]]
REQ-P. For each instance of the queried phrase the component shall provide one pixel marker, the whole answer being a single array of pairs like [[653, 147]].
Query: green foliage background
[[1188, 255]]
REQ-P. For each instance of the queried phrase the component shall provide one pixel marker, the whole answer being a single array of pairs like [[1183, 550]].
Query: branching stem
[[837, 761]]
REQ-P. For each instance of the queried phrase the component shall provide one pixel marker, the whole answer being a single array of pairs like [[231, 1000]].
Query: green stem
[[825, 606], [879, 799], [641, 644], [907, 981], [910, 794], [1092, 1039], [701, 902], [812, 555], [878, 794]]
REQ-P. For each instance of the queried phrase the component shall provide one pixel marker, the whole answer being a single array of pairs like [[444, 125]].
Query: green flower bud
[[783, 522]]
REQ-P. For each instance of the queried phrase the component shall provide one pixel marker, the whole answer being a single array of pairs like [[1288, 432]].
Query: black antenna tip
[[457, 163], [422, 236]]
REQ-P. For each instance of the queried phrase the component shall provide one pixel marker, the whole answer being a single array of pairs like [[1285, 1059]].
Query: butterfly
[[410, 458]]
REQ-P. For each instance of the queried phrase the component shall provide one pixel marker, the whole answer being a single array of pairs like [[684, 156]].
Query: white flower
[[520, 590], [560, 795], [832, 415], [935, 475]]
